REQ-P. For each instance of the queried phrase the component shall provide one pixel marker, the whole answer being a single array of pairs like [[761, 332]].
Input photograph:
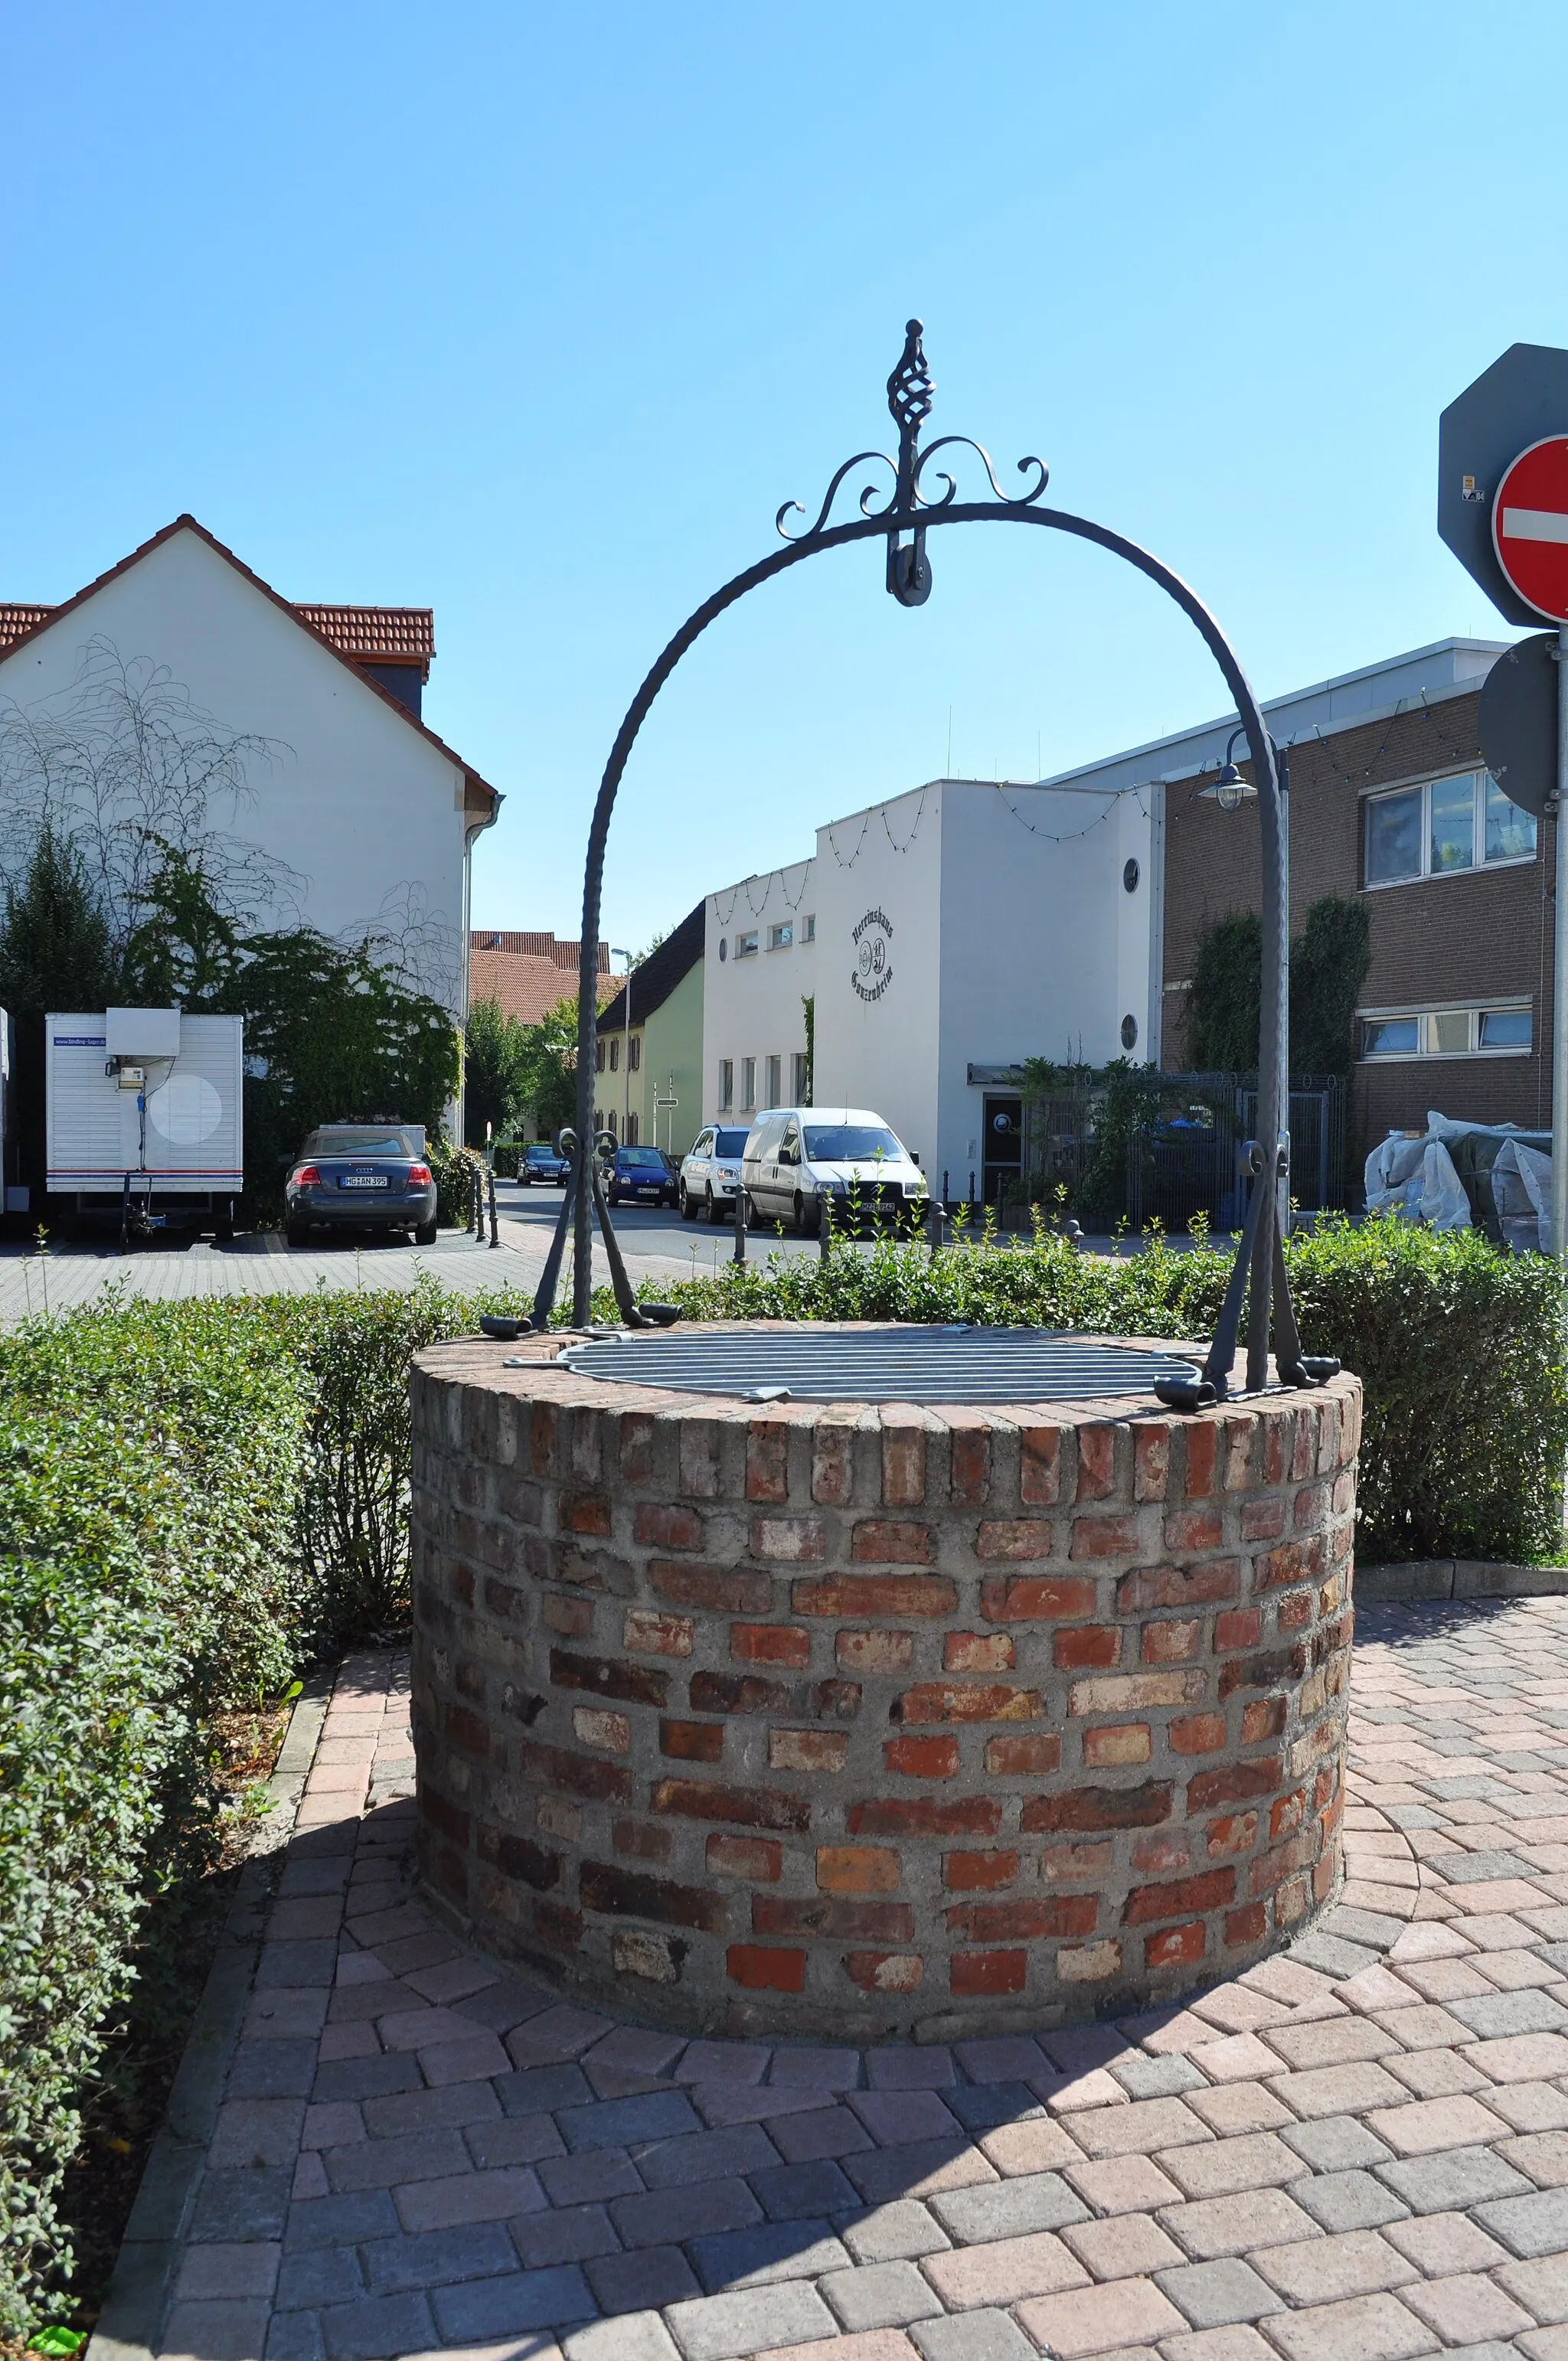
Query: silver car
[[710, 1173]]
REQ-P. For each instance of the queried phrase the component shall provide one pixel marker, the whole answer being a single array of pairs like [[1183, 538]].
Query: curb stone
[[1448, 1577], [137, 2295]]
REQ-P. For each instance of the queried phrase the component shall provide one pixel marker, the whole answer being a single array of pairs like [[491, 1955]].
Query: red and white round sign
[[1529, 526]]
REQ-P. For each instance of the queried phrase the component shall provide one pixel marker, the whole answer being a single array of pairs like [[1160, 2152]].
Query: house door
[[1003, 1152]]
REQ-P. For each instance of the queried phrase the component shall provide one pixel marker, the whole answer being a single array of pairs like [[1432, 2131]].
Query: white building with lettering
[[941, 938]]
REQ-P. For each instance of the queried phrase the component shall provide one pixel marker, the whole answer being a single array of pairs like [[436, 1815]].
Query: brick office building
[[1390, 802]]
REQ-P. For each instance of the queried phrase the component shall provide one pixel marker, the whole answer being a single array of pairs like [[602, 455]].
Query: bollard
[[495, 1218], [824, 1225], [936, 1214], [475, 1202], [740, 1223]]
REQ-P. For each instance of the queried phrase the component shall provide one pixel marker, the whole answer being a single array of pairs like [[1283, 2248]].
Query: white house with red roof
[[292, 733]]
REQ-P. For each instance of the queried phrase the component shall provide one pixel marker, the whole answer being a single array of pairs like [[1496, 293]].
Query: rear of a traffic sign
[[1516, 721], [1529, 526]]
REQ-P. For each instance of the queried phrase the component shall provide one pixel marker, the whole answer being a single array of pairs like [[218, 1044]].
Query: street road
[[645, 1230]]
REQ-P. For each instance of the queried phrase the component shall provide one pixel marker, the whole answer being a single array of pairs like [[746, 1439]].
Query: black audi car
[[363, 1176]]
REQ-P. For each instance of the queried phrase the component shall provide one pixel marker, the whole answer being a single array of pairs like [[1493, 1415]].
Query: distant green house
[[648, 1086]]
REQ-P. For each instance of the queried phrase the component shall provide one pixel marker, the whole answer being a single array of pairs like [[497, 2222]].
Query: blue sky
[[535, 316]]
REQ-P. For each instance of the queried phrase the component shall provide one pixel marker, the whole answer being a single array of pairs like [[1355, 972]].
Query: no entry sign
[[1529, 526]]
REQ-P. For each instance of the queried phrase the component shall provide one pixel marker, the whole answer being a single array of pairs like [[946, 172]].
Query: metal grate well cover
[[904, 1364]]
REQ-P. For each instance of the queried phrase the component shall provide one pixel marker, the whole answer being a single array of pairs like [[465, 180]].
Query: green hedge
[[196, 1498]]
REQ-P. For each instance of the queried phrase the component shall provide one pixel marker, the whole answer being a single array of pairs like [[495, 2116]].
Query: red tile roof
[[525, 988], [525, 945], [376, 634], [25, 620]]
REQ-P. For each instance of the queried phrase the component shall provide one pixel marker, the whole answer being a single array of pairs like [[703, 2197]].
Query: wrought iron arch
[[902, 514]]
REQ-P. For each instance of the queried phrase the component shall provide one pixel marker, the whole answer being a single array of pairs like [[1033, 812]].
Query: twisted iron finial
[[910, 389]]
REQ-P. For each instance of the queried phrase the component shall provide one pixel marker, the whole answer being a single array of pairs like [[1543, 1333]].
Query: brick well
[[874, 1720]]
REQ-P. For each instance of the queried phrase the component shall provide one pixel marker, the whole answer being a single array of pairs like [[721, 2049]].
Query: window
[[1464, 822], [748, 1083], [1449, 1033], [808, 930], [634, 1055], [631, 1136], [729, 1142], [780, 937], [797, 1078], [615, 1056], [745, 945], [727, 1081], [774, 1091], [599, 1057]]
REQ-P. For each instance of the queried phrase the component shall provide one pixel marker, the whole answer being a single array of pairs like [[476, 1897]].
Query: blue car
[[640, 1175]]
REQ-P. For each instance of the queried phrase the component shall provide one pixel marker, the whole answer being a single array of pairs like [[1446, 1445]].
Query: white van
[[795, 1156]]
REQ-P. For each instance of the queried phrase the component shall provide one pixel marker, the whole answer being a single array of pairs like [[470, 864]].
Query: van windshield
[[729, 1143], [850, 1143]]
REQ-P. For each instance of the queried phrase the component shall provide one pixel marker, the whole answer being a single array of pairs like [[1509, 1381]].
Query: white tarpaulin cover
[[1521, 1183]]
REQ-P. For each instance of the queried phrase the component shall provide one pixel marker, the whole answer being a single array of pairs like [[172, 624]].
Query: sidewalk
[[1357, 2152]]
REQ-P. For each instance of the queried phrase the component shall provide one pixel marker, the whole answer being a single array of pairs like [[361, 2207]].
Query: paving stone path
[[1355, 2152]]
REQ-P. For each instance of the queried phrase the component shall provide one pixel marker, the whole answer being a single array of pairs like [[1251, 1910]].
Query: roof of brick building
[[525, 988], [526, 944]]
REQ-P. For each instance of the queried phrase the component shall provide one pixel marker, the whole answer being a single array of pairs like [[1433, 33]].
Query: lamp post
[[1229, 792], [616, 953]]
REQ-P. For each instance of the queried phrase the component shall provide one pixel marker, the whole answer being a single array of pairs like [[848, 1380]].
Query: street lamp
[[1229, 792], [616, 953]]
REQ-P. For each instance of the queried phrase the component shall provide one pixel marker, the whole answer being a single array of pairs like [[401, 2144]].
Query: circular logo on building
[[872, 940]]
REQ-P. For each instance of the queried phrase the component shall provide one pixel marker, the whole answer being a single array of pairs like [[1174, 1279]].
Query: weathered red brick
[[902, 1461], [1117, 1744], [573, 1619], [922, 1758], [699, 1458], [641, 1841], [542, 1438], [760, 1968], [972, 1974], [832, 1462], [738, 1693], [767, 1459], [584, 1512], [1242, 1628], [969, 1460], [1247, 1925], [636, 1447], [1234, 1832], [1037, 1598], [1281, 1861], [1233, 1783], [1286, 1813], [1263, 1519], [1087, 1647], [1169, 1642], [1203, 1442], [1168, 1586], [719, 1589], [1096, 1462], [1014, 1537], [443, 1814], [884, 1971], [1071, 1864], [467, 1730], [1094, 1537], [1151, 1459], [1296, 1562], [1098, 1808], [1174, 1947], [558, 1926], [769, 1643], [978, 1652], [631, 1893], [876, 1595], [788, 1541], [1164, 1853], [857, 1869], [974, 1701], [807, 1750], [598, 1725], [574, 1774], [897, 1816], [978, 1872], [884, 1541], [875, 1651], [668, 1524], [603, 1677], [840, 1917], [653, 1633], [1148, 1904], [1039, 1465], [1262, 1671], [1023, 1758], [692, 1741], [1304, 1458], [1022, 1921], [1194, 1529], [1262, 1718], [747, 1808], [757, 1858]]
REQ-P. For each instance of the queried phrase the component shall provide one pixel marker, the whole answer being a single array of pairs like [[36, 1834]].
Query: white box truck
[[144, 1113]]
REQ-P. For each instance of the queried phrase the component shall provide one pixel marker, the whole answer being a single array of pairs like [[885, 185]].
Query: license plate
[[648, 1192], [365, 1180]]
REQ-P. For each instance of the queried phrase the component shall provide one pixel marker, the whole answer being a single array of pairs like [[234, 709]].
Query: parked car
[[710, 1173], [543, 1162], [640, 1174], [797, 1158], [361, 1175]]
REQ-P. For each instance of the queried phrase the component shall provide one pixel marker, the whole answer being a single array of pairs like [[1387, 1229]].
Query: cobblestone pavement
[[1355, 2152]]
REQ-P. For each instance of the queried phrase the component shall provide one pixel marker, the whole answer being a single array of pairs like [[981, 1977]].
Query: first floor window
[[773, 1064], [599, 1057], [748, 1083], [780, 937], [634, 1055], [1449, 1033], [746, 944], [1462, 822], [615, 1056], [797, 1077], [808, 928], [631, 1131], [727, 1081]]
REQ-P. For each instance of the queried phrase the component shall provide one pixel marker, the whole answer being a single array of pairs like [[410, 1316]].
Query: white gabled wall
[[877, 1025], [751, 1006], [365, 811]]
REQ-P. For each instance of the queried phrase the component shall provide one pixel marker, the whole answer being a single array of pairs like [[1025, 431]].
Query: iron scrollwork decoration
[[902, 515]]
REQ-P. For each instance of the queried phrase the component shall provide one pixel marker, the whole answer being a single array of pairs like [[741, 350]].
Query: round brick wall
[[875, 1721]]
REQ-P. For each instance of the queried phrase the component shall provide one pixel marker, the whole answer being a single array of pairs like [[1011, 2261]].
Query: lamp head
[[1231, 788]]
